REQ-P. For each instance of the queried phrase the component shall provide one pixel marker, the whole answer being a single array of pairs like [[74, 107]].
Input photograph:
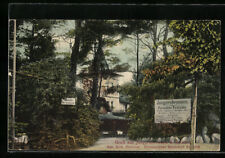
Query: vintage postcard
[[114, 85]]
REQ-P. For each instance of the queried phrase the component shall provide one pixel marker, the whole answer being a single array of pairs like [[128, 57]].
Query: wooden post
[[9, 91], [193, 118], [137, 59]]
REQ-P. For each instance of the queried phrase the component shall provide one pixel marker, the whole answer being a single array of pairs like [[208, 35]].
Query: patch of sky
[[62, 44]]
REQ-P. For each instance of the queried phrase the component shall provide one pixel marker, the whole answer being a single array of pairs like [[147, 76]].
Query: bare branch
[[147, 45], [161, 32]]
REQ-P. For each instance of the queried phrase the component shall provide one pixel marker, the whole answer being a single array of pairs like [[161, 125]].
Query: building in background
[[108, 90], [111, 95]]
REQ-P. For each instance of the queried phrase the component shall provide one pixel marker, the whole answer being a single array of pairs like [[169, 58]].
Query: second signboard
[[172, 110]]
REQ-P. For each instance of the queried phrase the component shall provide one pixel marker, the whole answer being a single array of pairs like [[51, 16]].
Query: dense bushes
[[141, 109], [147, 128], [50, 125]]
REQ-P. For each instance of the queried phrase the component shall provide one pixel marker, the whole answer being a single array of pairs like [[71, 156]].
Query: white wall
[[113, 98]]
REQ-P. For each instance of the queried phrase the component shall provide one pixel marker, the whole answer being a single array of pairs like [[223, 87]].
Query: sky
[[62, 45]]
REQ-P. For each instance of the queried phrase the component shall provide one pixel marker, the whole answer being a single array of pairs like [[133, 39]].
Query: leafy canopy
[[196, 47]]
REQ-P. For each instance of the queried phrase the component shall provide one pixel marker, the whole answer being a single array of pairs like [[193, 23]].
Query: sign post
[[193, 118], [14, 85]]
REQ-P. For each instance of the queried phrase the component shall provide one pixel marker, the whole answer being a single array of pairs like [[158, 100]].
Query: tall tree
[[75, 52], [102, 30], [135, 29], [36, 36], [84, 39], [96, 69], [155, 40], [165, 36], [157, 32], [101, 33]]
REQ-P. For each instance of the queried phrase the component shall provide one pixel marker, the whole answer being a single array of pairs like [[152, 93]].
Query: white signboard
[[68, 101], [172, 110]]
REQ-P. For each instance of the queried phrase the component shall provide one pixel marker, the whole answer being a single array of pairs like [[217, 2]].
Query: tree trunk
[[96, 69], [31, 54], [165, 53], [193, 118], [75, 54], [137, 59], [100, 86], [154, 42]]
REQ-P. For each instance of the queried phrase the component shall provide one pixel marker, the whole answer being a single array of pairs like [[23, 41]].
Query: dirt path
[[124, 144]]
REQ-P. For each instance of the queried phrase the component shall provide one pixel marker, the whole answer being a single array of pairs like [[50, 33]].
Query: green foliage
[[199, 39], [141, 109], [36, 38], [140, 129], [196, 46], [50, 125]]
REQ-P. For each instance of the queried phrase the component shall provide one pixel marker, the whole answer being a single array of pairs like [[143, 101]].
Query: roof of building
[[110, 116], [124, 99]]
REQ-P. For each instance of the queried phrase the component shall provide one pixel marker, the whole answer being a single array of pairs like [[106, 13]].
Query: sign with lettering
[[68, 101], [172, 110]]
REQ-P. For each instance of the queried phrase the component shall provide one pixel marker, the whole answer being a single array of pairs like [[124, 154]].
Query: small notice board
[[68, 101]]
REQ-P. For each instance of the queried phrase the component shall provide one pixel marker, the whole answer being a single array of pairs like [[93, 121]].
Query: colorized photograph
[[114, 85]]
